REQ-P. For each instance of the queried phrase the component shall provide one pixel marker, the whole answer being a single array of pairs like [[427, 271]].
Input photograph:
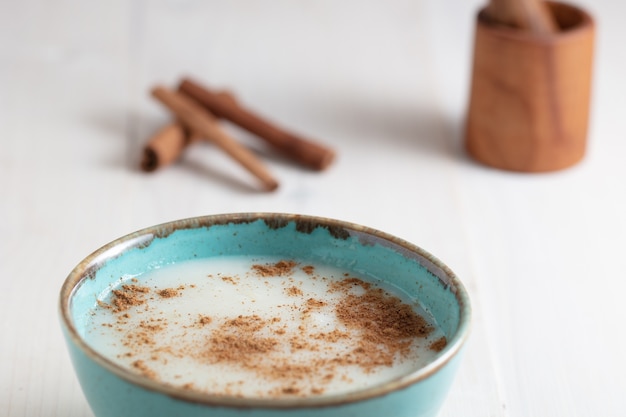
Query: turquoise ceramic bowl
[[113, 391]]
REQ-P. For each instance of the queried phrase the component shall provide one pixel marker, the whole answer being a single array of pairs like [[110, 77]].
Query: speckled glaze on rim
[[87, 269]]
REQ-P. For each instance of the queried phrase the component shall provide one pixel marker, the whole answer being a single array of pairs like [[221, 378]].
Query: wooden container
[[530, 93]]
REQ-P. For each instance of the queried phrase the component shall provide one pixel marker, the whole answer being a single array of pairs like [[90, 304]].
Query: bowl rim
[[144, 236]]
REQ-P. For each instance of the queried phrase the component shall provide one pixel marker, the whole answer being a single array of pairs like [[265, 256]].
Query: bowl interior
[[366, 252]]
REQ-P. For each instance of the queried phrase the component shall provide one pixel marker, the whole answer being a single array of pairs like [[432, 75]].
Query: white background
[[383, 82]]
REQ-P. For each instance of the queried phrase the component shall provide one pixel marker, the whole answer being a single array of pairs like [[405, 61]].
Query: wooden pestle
[[532, 15]]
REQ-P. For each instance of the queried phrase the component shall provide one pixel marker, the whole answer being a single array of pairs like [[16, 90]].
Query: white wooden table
[[386, 84]]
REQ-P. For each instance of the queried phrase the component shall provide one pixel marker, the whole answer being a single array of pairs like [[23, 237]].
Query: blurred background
[[386, 84]]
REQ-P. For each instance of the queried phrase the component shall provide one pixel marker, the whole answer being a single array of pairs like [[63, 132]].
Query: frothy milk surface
[[261, 328]]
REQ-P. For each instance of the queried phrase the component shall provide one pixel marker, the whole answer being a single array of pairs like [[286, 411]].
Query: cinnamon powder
[[381, 327], [128, 296], [169, 292], [144, 369], [294, 291], [438, 345], [279, 268]]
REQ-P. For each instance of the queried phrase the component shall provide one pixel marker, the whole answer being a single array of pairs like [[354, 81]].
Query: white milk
[[220, 326]]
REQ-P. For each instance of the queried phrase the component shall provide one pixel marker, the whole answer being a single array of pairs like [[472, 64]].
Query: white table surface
[[386, 84]]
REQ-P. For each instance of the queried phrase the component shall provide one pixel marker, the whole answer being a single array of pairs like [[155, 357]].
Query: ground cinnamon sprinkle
[[439, 344], [294, 291], [375, 329], [251, 323], [313, 303], [383, 325], [144, 369], [387, 325], [332, 336], [229, 279], [135, 288], [128, 296], [169, 292], [279, 268], [308, 269], [150, 326], [238, 340], [349, 282]]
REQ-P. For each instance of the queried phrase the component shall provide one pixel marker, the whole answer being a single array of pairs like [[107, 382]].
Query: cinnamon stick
[[200, 121], [304, 151], [164, 147]]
